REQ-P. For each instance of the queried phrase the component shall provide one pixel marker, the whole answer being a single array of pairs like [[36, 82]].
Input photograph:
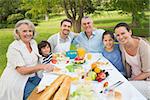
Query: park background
[[47, 14]]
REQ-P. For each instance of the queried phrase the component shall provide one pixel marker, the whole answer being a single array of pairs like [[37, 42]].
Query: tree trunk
[[76, 25], [74, 14], [135, 20], [46, 17]]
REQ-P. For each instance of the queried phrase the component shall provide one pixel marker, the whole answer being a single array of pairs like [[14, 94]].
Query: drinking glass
[[81, 52]]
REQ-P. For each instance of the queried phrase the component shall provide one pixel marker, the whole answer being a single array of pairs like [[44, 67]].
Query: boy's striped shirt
[[46, 60]]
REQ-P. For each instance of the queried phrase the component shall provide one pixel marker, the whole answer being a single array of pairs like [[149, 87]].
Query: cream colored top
[[12, 83], [135, 63], [144, 53]]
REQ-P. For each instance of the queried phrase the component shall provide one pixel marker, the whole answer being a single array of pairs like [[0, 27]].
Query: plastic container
[[71, 54]]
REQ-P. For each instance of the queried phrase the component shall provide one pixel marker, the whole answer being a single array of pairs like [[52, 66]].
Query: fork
[[112, 86]]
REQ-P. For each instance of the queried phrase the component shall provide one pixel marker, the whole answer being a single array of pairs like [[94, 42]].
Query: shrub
[[14, 18], [3, 25], [34, 21], [28, 15]]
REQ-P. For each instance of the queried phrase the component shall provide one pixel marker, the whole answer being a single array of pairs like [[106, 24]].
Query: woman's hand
[[47, 67], [142, 76], [29, 70]]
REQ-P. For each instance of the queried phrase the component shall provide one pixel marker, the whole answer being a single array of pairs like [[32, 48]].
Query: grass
[[46, 29], [5, 39]]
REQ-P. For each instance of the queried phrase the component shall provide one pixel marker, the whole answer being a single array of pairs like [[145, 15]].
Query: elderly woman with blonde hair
[[19, 77]]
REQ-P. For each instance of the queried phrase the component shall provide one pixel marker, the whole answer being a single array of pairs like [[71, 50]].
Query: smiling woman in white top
[[19, 77]]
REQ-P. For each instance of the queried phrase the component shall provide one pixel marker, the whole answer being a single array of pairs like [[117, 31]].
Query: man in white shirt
[[61, 41]]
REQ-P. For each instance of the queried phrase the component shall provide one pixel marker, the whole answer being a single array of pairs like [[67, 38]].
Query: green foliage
[[102, 5], [3, 25], [88, 6], [28, 15], [57, 9], [8, 7], [135, 7], [11, 9], [14, 18], [36, 7], [31, 8], [76, 7], [131, 5]]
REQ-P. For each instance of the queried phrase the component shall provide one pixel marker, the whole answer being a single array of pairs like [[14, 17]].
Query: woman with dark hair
[[136, 55]]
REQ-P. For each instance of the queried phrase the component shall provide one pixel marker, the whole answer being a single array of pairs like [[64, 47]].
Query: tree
[[35, 7], [135, 7], [75, 10], [8, 7]]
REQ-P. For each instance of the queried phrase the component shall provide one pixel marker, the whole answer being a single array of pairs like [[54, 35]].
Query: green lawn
[[45, 29]]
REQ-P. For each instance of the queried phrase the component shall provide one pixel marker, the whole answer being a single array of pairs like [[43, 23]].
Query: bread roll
[[49, 91], [118, 95], [63, 91], [56, 69]]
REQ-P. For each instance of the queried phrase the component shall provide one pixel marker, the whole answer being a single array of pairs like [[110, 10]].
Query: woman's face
[[25, 33], [45, 50], [108, 41], [123, 35]]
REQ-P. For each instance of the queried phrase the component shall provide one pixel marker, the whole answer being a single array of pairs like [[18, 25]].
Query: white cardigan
[[12, 83]]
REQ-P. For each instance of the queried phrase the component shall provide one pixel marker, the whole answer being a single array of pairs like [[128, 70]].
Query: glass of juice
[[81, 52], [89, 56]]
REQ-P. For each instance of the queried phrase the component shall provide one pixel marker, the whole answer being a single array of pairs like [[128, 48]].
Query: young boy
[[45, 50]]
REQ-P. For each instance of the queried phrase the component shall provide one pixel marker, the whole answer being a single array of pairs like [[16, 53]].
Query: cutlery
[[113, 86], [98, 59]]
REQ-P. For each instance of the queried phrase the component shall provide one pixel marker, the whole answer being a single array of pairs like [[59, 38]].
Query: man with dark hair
[[66, 20], [61, 41]]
